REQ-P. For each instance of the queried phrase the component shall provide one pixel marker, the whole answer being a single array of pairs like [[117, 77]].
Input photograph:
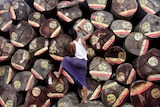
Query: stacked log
[[123, 52]]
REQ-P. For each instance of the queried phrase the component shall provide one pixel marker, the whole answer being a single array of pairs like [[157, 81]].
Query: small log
[[41, 68], [136, 43], [85, 24], [8, 96], [113, 94], [5, 21], [50, 28], [6, 75], [99, 69], [23, 81], [5, 6], [115, 55], [97, 4], [36, 19], [21, 34], [59, 47], [20, 10], [144, 94], [149, 26], [125, 73], [69, 11], [102, 39], [148, 66], [37, 97], [38, 46], [69, 100], [20, 59], [149, 6], [121, 28], [94, 103], [94, 89], [124, 8], [46, 5], [6, 49], [56, 87], [101, 19]]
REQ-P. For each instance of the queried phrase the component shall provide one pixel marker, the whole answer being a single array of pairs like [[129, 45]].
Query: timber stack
[[123, 52]]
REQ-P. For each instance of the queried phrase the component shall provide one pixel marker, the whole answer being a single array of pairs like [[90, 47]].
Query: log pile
[[123, 52]]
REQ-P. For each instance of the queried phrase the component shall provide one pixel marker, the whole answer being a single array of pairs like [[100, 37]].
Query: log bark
[[21, 34], [23, 81], [115, 55], [20, 59], [140, 89], [136, 43], [123, 8], [50, 28], [121, 28], [125, 73], [38, 46], [101, 19], [99, 69]]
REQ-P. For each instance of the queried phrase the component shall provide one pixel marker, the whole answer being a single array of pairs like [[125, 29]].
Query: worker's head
[[72, 32]]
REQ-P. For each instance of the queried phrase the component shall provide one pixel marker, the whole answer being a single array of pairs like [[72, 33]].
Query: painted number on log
[[101, 1]]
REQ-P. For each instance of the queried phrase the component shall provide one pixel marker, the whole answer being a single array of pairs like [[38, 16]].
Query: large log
[[19, 10], [144, 94], [59, 47], [149, 26], [38, 46], [114, 94], [5, 21], [8, 96], [101, 19], [23, 81], [41, 68], [50, 28], [21, 34], [6, 75], [69, 11], [99, 69], [147, 65], [124, 8], [102, 39], [37, 96], [121, 28], [20, 59], [93, 89], [150, 6], [6, 49], [136, 43]]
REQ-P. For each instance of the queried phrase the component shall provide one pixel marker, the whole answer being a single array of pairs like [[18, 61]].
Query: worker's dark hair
[[73, 33]]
